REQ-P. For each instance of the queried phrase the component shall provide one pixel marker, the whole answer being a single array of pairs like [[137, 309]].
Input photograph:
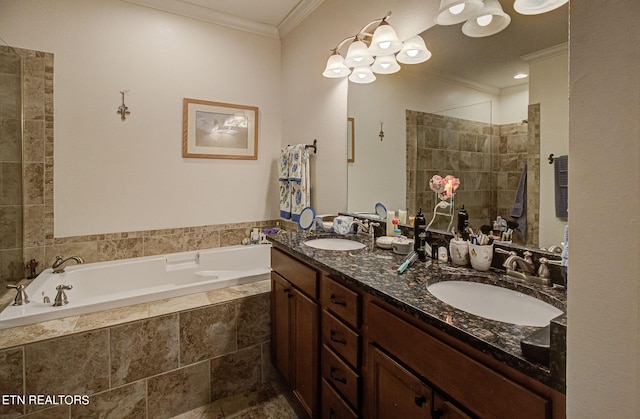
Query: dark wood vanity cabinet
[[348, 354], [341, 350], [294, 327]]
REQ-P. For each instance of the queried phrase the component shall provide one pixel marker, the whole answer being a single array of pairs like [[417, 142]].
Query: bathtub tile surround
[[170, 363], [207, 333], [143, 348], [75, 364]]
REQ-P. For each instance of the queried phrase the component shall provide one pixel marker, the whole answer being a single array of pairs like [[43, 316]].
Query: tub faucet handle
[[21, 296], [61, 297]]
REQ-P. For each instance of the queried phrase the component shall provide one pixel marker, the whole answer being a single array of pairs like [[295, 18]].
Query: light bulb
[[484, 20], [358, 59], [361, 75], [385, 65], [384, 45], [457, 9], [412, 52]]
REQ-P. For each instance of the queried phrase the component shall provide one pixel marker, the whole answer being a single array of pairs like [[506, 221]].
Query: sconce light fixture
[[489, 21], [536, 7], [375, 52], [452, 12], [482, 18]]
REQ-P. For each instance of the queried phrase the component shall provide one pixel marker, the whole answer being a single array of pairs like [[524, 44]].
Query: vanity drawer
[[341, 376], [333, 407], [470, 383], [339, 337], [296, 272], [341, 301]]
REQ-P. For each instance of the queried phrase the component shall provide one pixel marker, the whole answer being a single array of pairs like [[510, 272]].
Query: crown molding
[[181, 8], [466, 82], [211, 16], [297, 15], [543, 54]]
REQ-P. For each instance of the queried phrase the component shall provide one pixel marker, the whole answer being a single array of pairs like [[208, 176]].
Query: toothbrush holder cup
[[481, 256], [459, 251]]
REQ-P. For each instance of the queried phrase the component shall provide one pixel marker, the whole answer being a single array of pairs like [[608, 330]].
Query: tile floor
[[268, 401]]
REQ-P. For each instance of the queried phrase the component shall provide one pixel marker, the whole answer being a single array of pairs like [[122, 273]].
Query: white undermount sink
[[334, 244], [495, 303]]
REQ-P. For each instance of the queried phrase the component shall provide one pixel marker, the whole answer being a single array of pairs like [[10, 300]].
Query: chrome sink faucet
[[60, 263]]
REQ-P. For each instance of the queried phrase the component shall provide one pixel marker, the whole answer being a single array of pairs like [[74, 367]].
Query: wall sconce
[[536, 7], [375, 52]]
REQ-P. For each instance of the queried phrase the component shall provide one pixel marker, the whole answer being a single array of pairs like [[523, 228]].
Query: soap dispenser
[[463, 220]]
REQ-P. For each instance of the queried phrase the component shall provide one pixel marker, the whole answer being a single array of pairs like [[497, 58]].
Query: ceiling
[[489, 62], [492, 61], [273, 18]]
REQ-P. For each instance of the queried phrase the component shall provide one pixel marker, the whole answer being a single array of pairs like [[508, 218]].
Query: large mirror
[[484, 123]]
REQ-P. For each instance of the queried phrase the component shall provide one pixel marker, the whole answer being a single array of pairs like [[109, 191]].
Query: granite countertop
[[373, 270]]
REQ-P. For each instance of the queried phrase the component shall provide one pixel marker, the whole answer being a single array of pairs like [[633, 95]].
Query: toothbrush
[[408, 261]]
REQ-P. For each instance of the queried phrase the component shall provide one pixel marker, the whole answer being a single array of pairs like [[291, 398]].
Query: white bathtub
[[107, 285]]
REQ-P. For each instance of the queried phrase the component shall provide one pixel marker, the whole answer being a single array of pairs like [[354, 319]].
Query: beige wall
[[603, 371], [114, 176], [548, 86]]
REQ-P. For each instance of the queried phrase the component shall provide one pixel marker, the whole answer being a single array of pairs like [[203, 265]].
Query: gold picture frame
[[216, 130]]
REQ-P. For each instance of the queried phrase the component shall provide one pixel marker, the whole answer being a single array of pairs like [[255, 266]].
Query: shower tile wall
[[488, 160], [10, 166], [445, 145]]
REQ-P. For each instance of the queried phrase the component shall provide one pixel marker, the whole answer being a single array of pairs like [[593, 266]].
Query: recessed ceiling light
[[520, 76]]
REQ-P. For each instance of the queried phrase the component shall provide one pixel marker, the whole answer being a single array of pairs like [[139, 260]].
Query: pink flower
[[446, 187], [437, 184]]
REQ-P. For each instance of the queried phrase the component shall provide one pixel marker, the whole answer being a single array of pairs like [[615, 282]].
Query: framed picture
[[351, 141], [215, 130]]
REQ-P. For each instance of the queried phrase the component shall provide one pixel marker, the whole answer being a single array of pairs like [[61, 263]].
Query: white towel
[[284, 185], [299, 180]]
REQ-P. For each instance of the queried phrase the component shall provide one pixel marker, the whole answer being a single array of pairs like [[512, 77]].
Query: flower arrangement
[[444, 187]]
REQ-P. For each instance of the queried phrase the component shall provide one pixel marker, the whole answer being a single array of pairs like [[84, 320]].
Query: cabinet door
[[396, 392], [305, 316], [443, 409], [281, 344]]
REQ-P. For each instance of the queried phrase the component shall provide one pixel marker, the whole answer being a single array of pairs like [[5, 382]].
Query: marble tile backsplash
[[156, 367]]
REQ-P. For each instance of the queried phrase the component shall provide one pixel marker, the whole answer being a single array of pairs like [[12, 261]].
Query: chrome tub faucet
[[60, 263]]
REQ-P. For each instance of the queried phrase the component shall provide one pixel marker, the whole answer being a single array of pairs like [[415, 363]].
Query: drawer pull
[[334, 377], [332, 413], [333, 300], [288, 292], [334, 337], [420, 400]]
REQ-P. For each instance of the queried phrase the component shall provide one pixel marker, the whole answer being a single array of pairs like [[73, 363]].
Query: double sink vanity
[[353, 338]]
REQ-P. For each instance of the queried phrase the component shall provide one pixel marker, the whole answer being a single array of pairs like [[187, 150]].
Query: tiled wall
[[445, 145], [10, 166], [157, 367], [488, 160]]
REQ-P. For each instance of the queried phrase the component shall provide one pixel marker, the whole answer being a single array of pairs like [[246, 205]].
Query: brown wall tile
[[234, 373], [129, 401], [75, 364], [207, 332], [11, 382], [144, 348], [253, 325], [179, 391]]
